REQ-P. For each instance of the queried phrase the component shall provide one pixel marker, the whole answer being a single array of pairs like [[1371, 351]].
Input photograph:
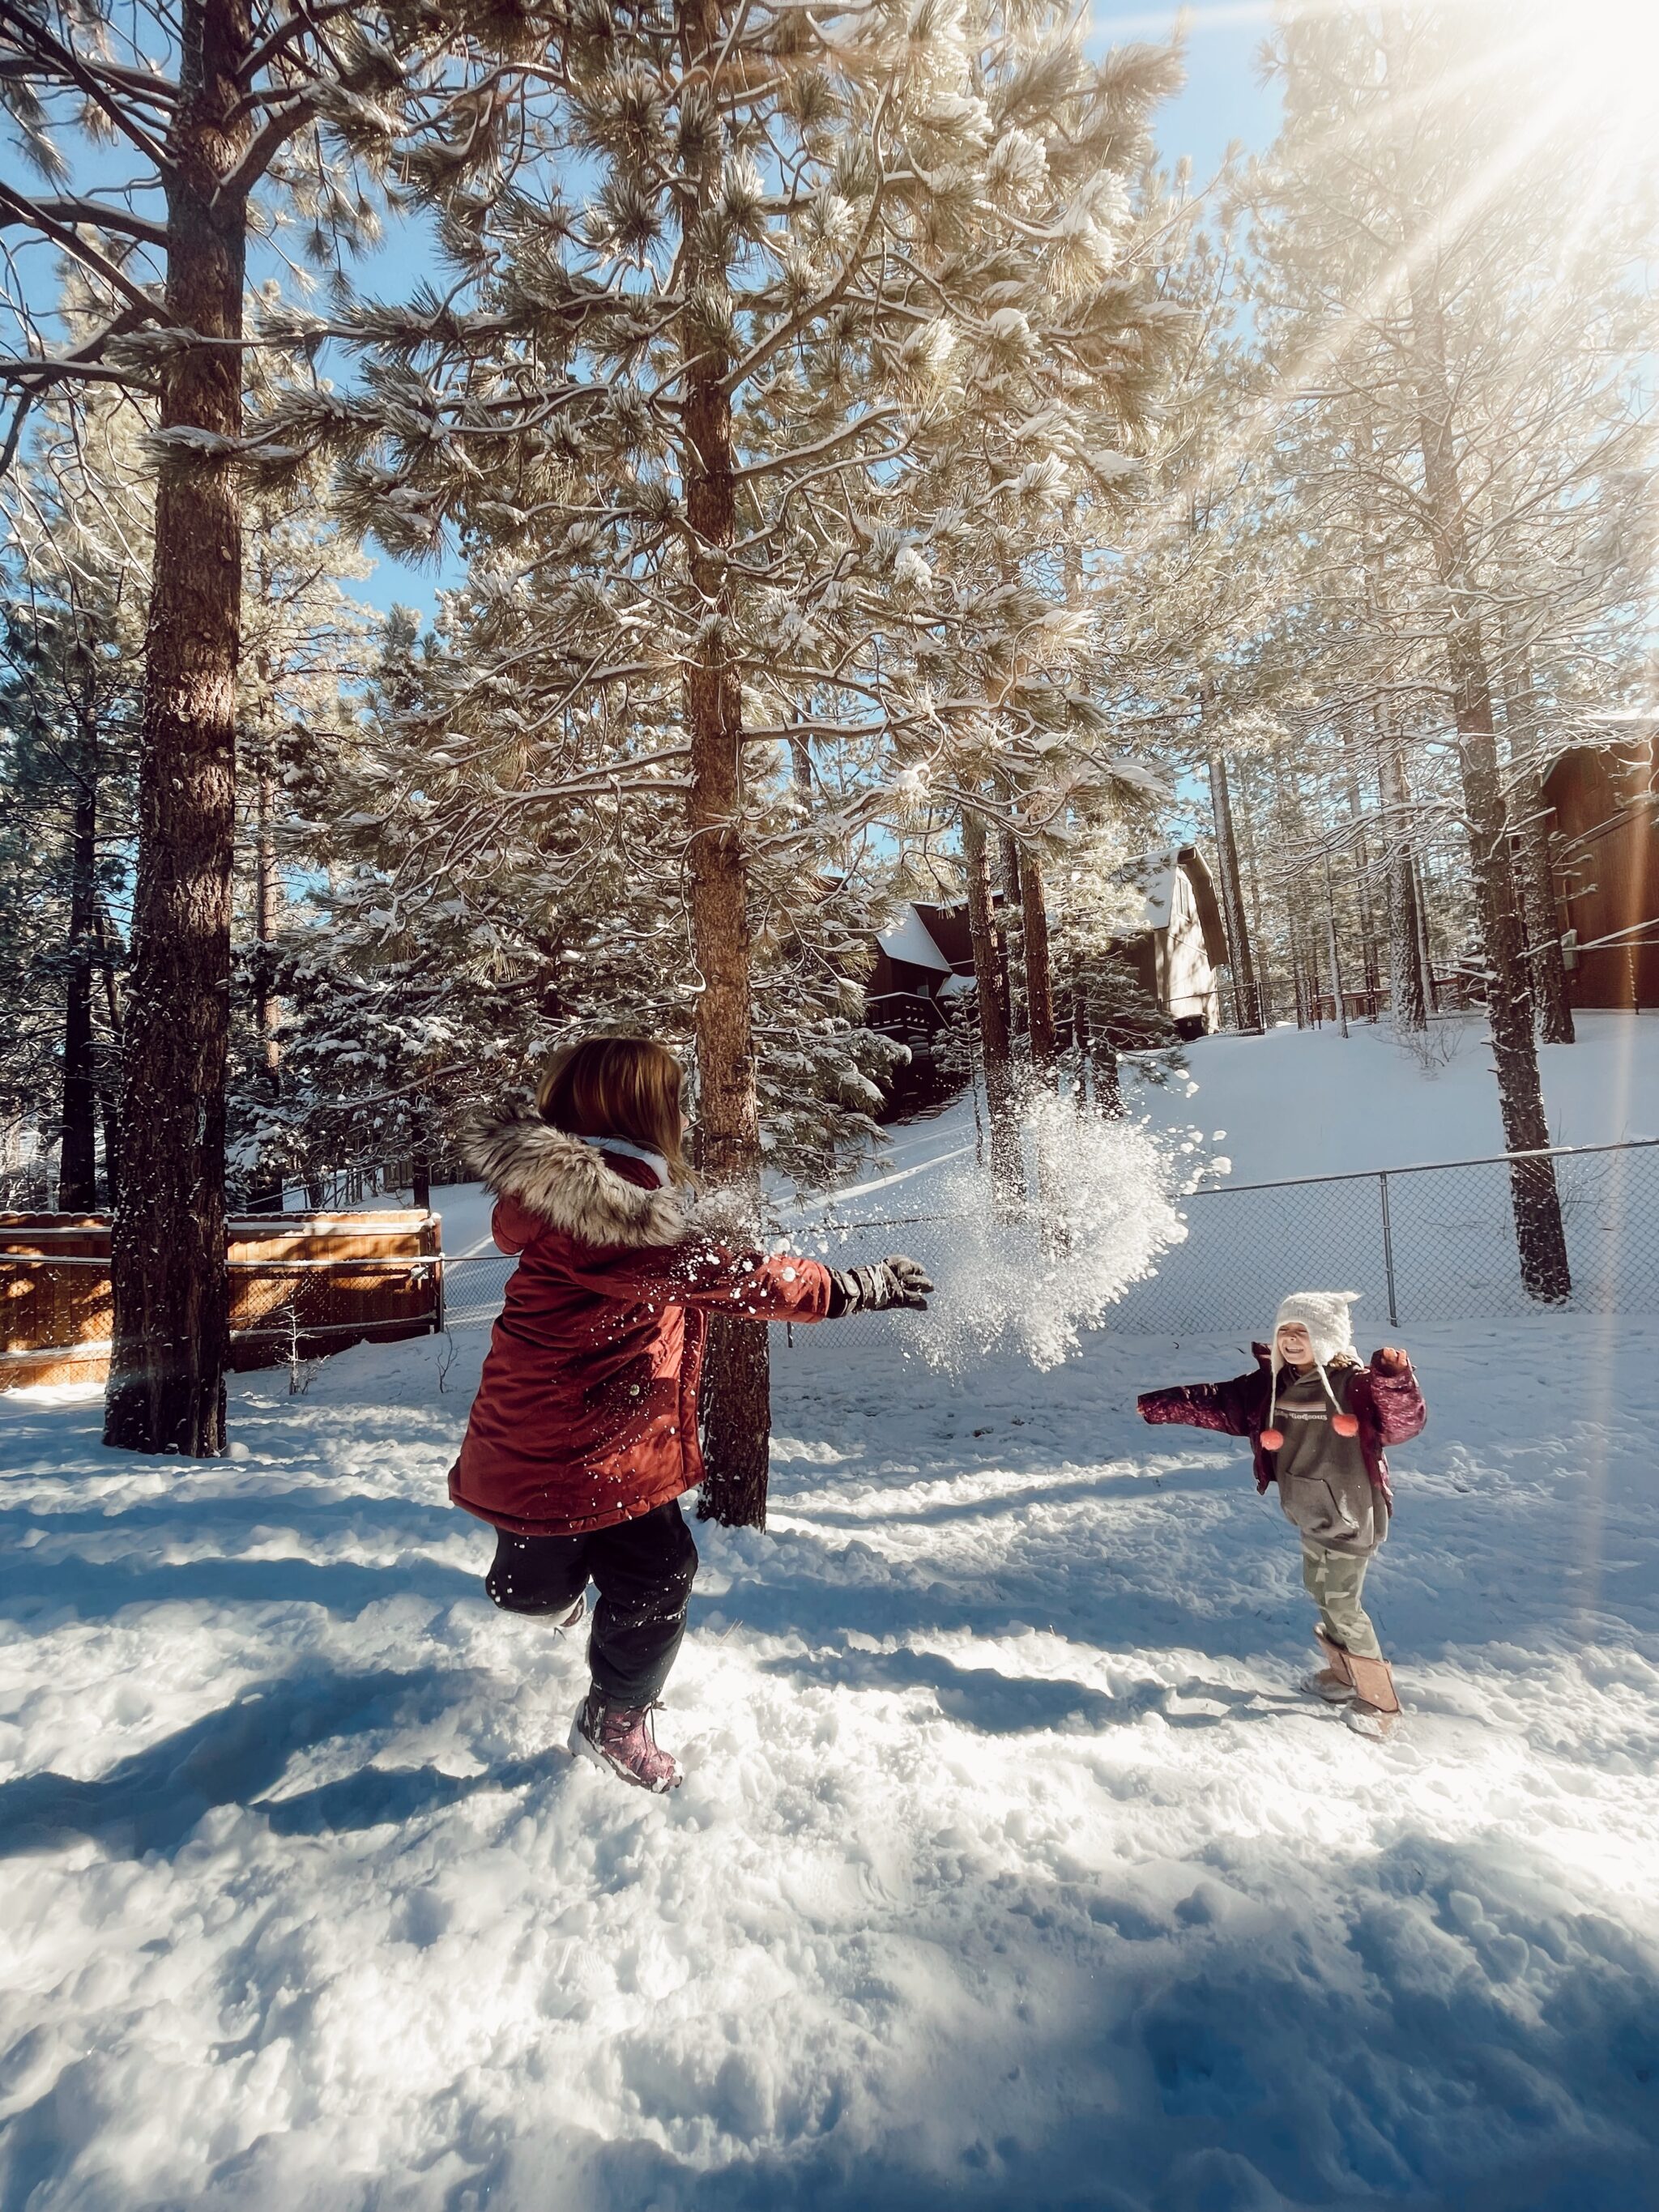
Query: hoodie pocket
[[1309, 1501]]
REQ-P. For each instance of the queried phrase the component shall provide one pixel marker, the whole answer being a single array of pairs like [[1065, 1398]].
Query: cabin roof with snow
[[1154, 874], [908, 942]]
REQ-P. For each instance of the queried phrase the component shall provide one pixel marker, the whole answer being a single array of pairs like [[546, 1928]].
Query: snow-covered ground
[[1313, 1102], [1012, 1870]]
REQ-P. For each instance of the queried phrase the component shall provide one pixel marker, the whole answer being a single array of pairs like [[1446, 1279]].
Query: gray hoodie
[[1322, 1483]]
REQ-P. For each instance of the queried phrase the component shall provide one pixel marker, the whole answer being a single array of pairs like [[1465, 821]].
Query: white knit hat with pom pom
[[1325, 1316]]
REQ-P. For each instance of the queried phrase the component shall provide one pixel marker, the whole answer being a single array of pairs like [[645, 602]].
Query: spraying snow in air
[[1102, 1203]]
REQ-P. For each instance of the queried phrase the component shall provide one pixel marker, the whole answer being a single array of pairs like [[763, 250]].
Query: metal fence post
[[1388, 1249]]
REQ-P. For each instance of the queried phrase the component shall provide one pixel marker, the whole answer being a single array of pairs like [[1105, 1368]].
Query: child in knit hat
[[1317, 1423]]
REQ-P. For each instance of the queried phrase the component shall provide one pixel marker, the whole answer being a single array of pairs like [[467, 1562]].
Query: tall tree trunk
[[109, 1090], [737, 1411], [266, 896], [1334, 948], [1362, 867], [1249, 893], [1247, 1000], [1013, 935], [171, 1330], [1082, 1041], [801, 770], [1425, 942], [1407, 980], [77, 1158], [1546, 966], [1007, 1171], [1410, 997], [1103, 1053], [1302, 982], [1540, 1235], [1039, 971]]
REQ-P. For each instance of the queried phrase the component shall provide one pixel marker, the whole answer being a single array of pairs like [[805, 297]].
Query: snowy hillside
[[1012, 1870], [1310, 1102]]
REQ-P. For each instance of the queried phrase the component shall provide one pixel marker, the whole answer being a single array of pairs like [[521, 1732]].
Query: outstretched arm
[[753, 1285], [1224, 1406], [1400, 1412]]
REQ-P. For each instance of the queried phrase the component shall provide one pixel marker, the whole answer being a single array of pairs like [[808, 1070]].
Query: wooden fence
[[300, 1284]]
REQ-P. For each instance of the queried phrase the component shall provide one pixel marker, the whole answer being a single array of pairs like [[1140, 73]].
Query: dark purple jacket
[[1388, 1408]]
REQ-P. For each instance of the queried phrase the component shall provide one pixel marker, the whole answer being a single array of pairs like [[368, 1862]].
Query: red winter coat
[[1388, 1408], [586, 1413]]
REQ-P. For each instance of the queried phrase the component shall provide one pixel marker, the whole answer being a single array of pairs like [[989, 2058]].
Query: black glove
[[894, 1281]]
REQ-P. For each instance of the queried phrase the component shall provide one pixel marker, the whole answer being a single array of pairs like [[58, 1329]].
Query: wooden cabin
[[903, 997], [300, 1286], [1604, 800], [925, 957], [1176, 952]]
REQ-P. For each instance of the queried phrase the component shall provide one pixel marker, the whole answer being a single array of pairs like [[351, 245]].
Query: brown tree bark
[[737, 1415], [1013, 933], [1039, 968], [1007, 1171], [266, 899], [1372, 967], [1540, 1235], [77, 1157], [109, 1098], [171, 1328], [1546, 966], [1408, 981], [1247, 1001], [1102, 1058]]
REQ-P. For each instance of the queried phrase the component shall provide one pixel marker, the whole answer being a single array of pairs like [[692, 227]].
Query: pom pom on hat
[[1324, 1314]]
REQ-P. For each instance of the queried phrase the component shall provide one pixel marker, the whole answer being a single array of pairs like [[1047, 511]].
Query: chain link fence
[[1420, 1244]]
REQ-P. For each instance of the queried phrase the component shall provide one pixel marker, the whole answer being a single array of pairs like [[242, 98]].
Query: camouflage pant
[[1333, 1581]]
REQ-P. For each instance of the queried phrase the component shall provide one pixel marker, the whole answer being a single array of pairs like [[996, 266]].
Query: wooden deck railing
[[300, 1284]]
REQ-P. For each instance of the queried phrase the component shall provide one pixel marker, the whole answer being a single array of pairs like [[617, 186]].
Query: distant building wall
[[1606, 810], [1188, 984]]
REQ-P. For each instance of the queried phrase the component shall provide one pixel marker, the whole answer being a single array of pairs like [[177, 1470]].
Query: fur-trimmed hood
[[566, 1183]]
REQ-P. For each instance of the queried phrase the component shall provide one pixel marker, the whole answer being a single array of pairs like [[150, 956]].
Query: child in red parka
[[1317, 1423], [583, 1436]]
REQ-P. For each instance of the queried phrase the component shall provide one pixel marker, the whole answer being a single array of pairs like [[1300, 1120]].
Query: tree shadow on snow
[[1047, 1581], [1432, 2024], [94, 1590], [153, 1801], [996, 1704], [1114, 1487]]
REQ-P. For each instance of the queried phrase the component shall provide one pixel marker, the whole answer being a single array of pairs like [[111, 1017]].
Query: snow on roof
[[908, 940], [1154, 874]]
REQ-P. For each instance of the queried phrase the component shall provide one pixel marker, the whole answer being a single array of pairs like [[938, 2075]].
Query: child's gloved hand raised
[[1392, 1360], [880, 1285]]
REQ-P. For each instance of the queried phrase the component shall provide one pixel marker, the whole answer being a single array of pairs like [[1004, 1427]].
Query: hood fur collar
[[567, 1184]]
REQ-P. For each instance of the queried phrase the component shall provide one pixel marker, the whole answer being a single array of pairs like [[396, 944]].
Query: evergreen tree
[[733, 441], [210, 102]]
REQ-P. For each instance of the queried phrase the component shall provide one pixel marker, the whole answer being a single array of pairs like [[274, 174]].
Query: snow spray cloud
[[1102, 1203]]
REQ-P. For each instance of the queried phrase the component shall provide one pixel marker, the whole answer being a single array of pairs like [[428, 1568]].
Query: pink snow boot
[[1335, 1680], [621, 1737]]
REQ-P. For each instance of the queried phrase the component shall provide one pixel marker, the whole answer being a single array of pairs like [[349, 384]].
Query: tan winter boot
[[1375, 1708], [1333, 1682]]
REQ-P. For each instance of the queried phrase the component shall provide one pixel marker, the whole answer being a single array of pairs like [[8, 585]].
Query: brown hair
[[617, 1086]]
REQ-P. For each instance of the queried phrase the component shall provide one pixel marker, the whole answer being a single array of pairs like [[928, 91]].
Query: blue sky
[[1222, 102]]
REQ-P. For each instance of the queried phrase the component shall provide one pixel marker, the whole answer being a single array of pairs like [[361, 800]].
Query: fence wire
[[1420, 1244]]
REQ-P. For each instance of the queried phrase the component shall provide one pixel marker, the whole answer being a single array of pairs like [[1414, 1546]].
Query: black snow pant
[[644, 1570]]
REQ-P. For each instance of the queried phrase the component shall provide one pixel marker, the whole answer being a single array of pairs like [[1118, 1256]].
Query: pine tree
[[68, 711], [1399, 302], [211, 101], [726, 437]]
